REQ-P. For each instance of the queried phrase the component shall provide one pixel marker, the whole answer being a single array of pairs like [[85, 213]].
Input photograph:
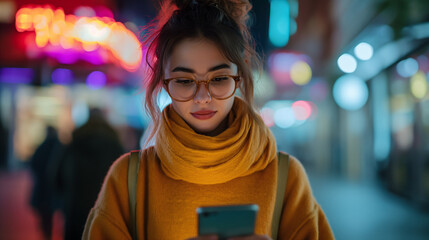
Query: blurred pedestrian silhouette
[[43, 198], [94, 147], [3, 146]]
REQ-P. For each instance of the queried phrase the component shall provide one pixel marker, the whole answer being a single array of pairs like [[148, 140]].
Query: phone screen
[[227, 221]]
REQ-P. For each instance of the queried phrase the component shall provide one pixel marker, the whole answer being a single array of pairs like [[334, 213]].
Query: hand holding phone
[[227, 221]]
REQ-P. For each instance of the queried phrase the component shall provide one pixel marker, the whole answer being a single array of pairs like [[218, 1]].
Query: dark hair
[[222, 22]]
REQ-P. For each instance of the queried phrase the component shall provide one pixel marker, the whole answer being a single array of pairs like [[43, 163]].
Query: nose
[[202, 95]]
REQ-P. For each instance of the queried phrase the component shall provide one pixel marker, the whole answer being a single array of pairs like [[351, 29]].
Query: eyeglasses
[[183, 89]]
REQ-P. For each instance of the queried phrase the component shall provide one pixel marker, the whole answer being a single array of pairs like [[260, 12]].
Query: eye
[[220, 78], [183, 81]]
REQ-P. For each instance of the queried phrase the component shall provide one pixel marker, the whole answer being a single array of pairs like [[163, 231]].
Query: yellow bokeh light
[[300, 73], [419, 86], [24, 20], [42, 38], [59, 15], [66, 43], [89, 46]]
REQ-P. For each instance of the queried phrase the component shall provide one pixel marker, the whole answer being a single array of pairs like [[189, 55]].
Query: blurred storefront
[[61, 59]]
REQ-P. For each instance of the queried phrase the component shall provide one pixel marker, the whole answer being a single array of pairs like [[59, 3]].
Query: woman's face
[[201, 60]]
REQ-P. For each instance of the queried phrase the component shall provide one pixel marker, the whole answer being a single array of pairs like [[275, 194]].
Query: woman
[[211, 148]]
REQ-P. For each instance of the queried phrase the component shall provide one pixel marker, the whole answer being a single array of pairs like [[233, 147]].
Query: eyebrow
[[189, 70]]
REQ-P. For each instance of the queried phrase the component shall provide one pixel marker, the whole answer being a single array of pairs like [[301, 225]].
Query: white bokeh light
[[350, 92], [347, 63], [284, 117], [364, 51]]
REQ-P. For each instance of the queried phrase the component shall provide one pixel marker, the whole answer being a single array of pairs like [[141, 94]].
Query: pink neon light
[[302, 110]]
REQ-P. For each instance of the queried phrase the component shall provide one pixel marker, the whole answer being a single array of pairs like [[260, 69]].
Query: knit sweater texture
[[186, 170]]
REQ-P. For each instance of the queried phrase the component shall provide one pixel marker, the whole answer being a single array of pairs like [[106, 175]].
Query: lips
[[203, 114]]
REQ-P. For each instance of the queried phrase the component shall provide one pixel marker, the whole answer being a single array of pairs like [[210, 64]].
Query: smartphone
[[227, 221]]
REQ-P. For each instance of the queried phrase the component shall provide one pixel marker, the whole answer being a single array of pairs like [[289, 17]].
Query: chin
[[204, 130]]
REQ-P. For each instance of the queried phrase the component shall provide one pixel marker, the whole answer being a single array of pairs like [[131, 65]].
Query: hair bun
[[237, 10]]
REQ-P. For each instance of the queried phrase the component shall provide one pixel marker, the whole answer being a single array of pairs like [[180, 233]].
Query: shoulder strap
[[133, 171], [283, 169]]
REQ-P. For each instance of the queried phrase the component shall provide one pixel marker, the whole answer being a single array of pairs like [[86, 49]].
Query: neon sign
[[81, 33]]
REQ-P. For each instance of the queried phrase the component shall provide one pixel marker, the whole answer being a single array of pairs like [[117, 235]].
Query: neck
[[218, 130]]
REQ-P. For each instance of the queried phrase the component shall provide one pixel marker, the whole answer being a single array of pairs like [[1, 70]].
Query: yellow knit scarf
[[242, 149]]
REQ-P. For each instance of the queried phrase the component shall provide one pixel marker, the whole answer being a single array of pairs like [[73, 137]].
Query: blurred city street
[[359, 210], [18, 220], [344, 88], [355, 210]]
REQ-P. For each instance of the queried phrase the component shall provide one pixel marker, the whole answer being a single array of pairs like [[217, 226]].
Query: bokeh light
[[16, 75], [85, 32], [364, 51], [347, 63], [419, 85], [96, 80], [300, 73], [267, 115], [84, 11], [62, 76], [279, 26], [280, 66], [284, 117], [302, 110], [350, 92], [407, 67]]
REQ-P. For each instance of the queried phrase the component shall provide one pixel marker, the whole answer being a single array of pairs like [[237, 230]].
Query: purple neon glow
[[65, 56], [94, 57], [71, 56], [62, 76], [96, 80], [16, 75]]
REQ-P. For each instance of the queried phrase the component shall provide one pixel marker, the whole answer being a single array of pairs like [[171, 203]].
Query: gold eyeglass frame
[[206, 83]]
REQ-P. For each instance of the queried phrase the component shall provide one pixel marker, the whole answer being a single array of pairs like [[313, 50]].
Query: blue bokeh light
[[279, 26], [350, 92], [407, 67], [284, 117]]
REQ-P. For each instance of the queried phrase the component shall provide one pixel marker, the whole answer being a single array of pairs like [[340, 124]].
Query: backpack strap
[[283, 169], [133, 172]]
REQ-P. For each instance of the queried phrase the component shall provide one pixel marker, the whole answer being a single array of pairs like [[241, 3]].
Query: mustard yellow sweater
[[186, 170], [172, 203]]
